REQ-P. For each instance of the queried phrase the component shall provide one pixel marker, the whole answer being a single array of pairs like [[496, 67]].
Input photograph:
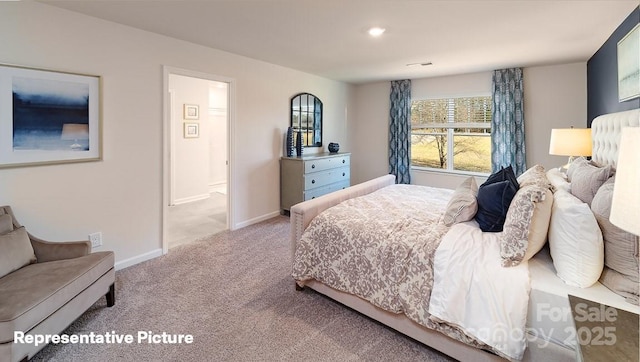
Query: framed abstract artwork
[[629, 65], [48, 117]]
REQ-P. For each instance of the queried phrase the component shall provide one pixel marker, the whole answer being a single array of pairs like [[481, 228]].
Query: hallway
[[197, 219]]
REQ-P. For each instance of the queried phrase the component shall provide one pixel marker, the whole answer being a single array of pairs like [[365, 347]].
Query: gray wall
[[602, 75]]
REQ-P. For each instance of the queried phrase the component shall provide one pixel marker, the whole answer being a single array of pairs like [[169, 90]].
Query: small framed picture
[[191, 130], [191, 111]]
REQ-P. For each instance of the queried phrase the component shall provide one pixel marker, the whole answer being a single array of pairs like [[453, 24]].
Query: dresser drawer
[[312, 194], [307, 177], [327, 163], [319, 179]]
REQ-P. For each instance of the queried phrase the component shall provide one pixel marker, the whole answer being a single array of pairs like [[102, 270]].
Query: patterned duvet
[[381, 248]]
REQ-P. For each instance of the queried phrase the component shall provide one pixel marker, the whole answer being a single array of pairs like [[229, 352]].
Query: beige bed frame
[[301, 216], [605, 136]]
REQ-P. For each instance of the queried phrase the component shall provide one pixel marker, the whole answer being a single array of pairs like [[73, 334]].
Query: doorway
[[197, 192]]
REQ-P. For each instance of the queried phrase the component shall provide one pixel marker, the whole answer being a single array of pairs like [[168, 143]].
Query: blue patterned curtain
[[507, 125], [400, 131]]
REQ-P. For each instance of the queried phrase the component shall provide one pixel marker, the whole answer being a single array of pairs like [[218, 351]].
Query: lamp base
[[564, 168]]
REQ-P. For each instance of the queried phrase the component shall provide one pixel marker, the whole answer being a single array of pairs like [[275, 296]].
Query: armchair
[[45, 286]]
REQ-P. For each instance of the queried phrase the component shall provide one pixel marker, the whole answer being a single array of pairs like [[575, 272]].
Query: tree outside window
[[452, 134]]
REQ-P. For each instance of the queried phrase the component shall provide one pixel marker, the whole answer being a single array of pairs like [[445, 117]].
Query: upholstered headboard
[[605, 134]]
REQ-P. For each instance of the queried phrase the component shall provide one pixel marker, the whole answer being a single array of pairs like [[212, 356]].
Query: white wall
[[555, 96], [217, 119], [122, 195], [191, 156]]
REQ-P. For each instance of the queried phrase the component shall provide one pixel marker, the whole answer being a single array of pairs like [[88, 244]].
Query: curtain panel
[[507, 125], [400, 131]]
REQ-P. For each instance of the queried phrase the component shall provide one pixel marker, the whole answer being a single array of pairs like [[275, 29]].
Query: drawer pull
[[343, 174], [313, 166], [343, 161], [313, 181]]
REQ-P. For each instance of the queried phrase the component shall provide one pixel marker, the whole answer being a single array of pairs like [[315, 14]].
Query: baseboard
[[185, 200], [138, 259], [158, 252], [220, 187], [255, 220]]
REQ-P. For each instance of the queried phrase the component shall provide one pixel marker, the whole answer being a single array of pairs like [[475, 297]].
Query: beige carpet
[[232, 291], [197, 219]]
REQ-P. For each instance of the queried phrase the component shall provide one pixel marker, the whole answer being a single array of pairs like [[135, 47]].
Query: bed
[[397, 261]]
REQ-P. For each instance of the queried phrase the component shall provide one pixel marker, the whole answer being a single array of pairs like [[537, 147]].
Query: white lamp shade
[[570, 142], [625, 206]]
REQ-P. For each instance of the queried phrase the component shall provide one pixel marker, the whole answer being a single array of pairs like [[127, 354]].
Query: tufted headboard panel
[[605, 134]]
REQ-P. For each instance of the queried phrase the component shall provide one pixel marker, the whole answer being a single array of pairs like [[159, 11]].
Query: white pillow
[[558, 180], [575, 241]]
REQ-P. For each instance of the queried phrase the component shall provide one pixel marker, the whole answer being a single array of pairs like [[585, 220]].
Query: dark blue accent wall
[[602, 74]]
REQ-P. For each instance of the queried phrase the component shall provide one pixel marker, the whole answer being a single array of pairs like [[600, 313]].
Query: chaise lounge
[[45, 286]]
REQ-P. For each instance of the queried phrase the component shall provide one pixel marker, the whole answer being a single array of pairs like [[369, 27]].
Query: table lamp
[[570, 142], [625, 209]]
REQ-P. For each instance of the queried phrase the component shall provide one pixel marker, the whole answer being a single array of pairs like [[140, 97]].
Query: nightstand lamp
[[625, 212], [570, 142]]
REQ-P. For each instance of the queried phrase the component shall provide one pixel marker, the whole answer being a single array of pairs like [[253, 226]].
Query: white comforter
[[474, 292]]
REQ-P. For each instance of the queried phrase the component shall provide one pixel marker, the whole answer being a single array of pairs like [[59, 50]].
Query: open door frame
[[167, 145]]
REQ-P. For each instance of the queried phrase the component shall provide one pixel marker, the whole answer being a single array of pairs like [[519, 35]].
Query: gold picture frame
[[191, 111], [191, 130]]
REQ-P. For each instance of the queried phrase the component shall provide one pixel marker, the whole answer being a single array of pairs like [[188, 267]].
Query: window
[[452, 134]]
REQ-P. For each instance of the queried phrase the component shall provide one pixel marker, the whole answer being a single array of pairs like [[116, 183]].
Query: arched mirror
[[306, 117]]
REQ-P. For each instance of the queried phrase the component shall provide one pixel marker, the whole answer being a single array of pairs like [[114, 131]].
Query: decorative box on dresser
[[307, 177]]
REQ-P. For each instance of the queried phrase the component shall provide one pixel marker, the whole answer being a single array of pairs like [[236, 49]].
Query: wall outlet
[[95, 239]]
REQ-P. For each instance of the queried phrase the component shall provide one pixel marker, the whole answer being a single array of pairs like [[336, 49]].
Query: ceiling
[[329, 37]]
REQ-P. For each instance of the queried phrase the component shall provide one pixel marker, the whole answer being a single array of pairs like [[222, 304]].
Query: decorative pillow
[[526, 225], [463, 204], [558, 180], [494, 198], [575, 241], [15, 251], [6, 223], [620, 247], [575, 164], [534, 176], [621, 285], [586, 179]]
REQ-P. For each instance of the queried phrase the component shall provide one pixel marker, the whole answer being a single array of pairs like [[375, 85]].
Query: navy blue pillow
[[505, 174], [494, 198]]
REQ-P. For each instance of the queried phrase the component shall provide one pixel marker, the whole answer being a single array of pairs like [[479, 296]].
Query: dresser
[[307, 177]]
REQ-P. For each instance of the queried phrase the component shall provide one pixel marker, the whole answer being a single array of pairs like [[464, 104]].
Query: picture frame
[[629, 65], [191, 130], [48, 117], [191, 111]]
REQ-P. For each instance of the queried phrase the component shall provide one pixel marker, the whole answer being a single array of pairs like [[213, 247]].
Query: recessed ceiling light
[[376, 31]]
